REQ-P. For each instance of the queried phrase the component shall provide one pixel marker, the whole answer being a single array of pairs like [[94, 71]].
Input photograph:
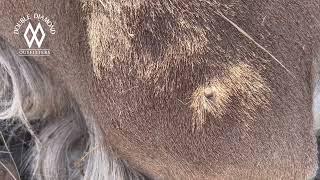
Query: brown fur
[[137, 65]]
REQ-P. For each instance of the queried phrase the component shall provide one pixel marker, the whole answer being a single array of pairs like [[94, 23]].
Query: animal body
[[166, 89]]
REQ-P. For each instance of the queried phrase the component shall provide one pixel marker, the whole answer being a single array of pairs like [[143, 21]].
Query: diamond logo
[[34, 33]]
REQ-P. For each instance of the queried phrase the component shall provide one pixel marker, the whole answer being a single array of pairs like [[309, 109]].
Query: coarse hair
[[65, 143]]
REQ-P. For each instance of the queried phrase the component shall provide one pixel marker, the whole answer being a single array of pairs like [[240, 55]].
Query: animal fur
[[68, 145], [131, 79]]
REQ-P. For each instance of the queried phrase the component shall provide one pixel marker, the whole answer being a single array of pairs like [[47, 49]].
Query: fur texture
[[133, 70], [67, 145], [154, 59]]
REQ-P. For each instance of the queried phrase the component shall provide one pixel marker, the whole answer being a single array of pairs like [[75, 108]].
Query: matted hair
[[66, 144]]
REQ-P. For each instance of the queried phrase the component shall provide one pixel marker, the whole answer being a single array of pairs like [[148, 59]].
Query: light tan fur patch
[[111, 32], [240, 81]]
